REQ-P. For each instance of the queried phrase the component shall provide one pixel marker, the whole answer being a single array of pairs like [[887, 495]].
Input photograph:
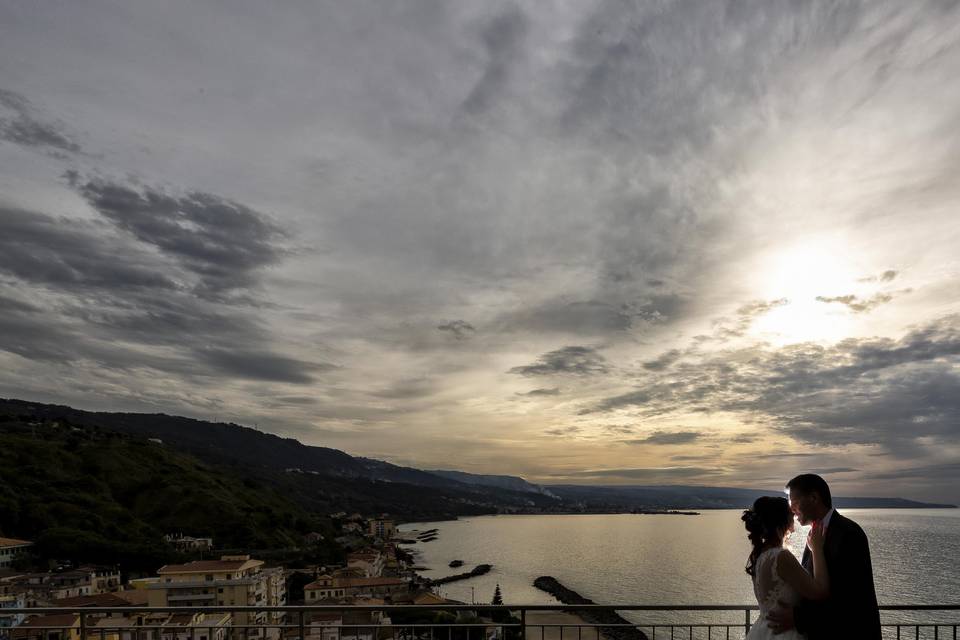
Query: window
[[219, 589], [209, 577]]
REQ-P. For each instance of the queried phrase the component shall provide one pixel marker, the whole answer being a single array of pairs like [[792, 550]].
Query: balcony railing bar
[[411, 631], [443, 607]]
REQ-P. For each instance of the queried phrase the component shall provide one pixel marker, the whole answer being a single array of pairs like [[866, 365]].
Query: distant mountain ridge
[[514, 483], [332, 479], [699, 497]]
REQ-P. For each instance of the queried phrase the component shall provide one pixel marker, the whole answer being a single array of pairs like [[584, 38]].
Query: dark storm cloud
[[856, 304], [502, 40], [99, 296], [541, 392], [26, 331], [573, 360], [27, 129], [57, 252], [865, 391], [667, 437], [224, 243], [460, 329], [260, 365]]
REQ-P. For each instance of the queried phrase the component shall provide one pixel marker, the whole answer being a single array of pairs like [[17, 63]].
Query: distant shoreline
[[625, 512]]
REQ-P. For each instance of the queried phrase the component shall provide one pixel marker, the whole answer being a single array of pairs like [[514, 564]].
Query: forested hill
[[101, 496], [95, 483]]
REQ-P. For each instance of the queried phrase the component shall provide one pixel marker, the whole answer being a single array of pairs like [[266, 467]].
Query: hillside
[[100, 496]]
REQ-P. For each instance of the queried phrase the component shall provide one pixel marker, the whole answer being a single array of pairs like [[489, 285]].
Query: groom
[[850, 612]]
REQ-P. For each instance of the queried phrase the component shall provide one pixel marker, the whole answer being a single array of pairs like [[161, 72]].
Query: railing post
[[302, 636], [746, 620], [83, 626], [523, 624]]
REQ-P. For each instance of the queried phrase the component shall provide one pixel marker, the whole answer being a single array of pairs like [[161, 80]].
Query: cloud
[[829, 470], [667, 438], [26, 129], [886, 276], [78, 291], [649, 474], [260, 365], [502, 40], [573, 360], [59, 252], [220, 241], [868, 391], [858, 305], [563, 431], [408, 389], [591, 317], [553, 391], [664, 360], [726, 329], [460, 329]]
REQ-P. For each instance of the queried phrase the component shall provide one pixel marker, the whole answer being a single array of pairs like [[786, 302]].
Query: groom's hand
[[781, 618]]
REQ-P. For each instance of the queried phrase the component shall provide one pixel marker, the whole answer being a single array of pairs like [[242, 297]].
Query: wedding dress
[[769, 588]]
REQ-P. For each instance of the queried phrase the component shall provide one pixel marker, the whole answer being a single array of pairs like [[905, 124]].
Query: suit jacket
[[850, 612]]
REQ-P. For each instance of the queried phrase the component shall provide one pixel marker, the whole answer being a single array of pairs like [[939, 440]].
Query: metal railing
[[462, 622]]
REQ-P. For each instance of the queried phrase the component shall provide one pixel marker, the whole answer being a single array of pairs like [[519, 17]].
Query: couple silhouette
[[829, 594]]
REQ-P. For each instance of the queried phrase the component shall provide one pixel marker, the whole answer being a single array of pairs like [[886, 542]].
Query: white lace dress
[[769, 589]]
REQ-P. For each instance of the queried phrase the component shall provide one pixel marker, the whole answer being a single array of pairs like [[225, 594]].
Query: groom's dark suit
[[850, 613]]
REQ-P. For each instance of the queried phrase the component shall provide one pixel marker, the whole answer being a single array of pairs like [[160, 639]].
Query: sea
[[671, 559]]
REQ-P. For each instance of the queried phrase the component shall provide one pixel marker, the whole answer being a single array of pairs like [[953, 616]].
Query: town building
[[9, 548], [382, 528], [54, 627], [369, 561], [327, 587], [230, 581], [189, 543], [7, 620]]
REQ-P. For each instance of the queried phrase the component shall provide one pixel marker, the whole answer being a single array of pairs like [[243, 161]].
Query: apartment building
[[54, 627], [7, 620], [229, 581], [326, 587], [9, 548], [369, 561], [382, 528]]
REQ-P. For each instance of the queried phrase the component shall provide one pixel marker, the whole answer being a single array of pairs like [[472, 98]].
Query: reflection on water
[[673, 559]]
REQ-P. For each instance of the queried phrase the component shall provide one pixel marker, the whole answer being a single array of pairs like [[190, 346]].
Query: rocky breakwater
[[478, 570], [593, 616]]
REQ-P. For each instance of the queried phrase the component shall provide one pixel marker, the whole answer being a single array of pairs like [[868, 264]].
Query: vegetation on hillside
[[96, 495]]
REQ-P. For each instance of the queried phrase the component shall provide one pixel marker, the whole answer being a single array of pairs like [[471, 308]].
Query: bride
[[778, 579]]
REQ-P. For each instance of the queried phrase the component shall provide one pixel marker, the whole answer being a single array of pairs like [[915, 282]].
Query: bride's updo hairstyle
[[766, 523]]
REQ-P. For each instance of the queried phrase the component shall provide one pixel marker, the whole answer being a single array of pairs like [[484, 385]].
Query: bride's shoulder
[[787, 563]]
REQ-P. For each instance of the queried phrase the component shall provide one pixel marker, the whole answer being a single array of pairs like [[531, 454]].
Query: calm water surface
[[673, 559]]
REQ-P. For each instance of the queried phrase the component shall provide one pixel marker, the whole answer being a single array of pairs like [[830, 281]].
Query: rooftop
[[208, 566], [13, 542]]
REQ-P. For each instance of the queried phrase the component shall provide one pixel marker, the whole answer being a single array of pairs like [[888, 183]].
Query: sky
[[581, 242]]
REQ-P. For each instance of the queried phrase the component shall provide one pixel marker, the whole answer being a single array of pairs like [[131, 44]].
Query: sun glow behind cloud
[[819, 266]]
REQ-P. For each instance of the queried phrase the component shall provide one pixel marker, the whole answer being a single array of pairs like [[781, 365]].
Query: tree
[[497, 598]]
